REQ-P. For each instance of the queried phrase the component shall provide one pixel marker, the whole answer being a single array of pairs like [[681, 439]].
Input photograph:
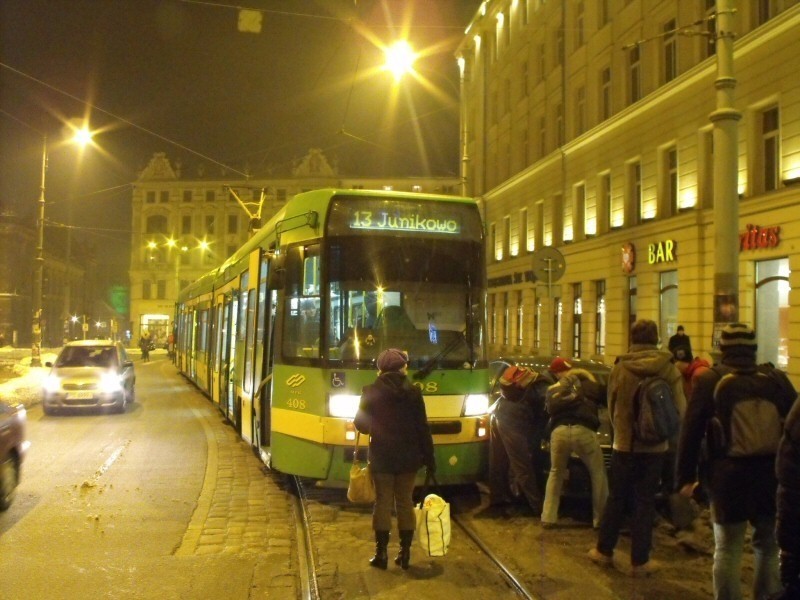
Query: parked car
[[89, 374], [13, 445], [577, 482]]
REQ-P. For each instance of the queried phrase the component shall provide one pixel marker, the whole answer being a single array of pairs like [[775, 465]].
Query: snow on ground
[[26, 382]]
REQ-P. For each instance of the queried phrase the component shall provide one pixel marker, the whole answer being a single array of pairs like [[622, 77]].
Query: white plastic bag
[[433, 525]]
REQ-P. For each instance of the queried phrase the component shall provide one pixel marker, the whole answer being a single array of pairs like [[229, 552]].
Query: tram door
[[230, 361], [265, 399]]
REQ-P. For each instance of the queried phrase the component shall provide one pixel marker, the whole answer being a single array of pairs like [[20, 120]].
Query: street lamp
[[82, 136]]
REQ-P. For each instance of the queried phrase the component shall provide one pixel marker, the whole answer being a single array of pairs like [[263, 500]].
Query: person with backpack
[[519, 422], [787, 530], [645, 399], [737, 409], [572, 403]]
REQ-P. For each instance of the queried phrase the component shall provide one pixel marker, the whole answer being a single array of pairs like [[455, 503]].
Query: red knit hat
[[559, 365]]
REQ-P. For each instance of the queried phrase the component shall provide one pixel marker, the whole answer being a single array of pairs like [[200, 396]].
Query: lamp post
[[38, 268]]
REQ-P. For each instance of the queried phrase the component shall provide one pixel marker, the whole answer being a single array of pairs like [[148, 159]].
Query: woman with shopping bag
[[392, 412]]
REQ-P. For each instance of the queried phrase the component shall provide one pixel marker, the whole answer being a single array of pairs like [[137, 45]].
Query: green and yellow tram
[[284, 334]]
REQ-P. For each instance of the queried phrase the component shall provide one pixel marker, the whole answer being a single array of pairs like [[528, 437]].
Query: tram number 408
[[428, 386], [296, 403]]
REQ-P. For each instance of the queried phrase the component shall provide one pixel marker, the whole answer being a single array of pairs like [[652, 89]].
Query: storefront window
[[668, 293], [772, 300], [631, 304]]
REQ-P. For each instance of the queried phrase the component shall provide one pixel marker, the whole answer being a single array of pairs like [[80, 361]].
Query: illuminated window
[[520, 319], [668, 295], [577, 313], [770, 148], [600, 317], [772, 311]]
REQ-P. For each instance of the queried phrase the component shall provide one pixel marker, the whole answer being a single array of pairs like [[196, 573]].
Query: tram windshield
[[423, 295]]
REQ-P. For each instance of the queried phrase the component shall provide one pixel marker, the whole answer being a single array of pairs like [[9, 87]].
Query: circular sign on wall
[[628, 257]]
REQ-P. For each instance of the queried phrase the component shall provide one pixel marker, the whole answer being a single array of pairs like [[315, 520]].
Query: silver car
[[89, 374], [13, 445]]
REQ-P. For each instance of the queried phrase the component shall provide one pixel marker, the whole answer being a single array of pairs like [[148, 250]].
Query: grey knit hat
[[392, 360], [737, 334]]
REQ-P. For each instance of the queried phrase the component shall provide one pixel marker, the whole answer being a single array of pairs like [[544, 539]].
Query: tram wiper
[[429, 366]]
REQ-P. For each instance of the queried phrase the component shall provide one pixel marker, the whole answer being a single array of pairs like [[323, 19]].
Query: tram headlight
[[476, 404], [343, 405]]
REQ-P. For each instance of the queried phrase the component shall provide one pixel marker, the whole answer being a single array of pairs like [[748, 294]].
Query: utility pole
[[725, 119], [38, 269]]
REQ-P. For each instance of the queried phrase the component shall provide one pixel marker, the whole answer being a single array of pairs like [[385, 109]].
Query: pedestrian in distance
[[636, 464], [144, 345], [737, 410], [519, 423], [572, 403], [787, 468], [680, 345], [392, 413]]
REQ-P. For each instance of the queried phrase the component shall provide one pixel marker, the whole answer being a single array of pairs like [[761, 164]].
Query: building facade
[[587, 130], [185, 224]]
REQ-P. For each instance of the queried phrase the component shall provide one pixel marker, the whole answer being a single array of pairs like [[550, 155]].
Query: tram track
[[313, 544]]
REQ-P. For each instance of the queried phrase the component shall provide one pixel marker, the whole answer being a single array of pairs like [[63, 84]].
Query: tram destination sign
[[412, 220]]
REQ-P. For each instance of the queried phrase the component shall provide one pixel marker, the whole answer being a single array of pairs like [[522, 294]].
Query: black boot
[[404, 555], [381, 558]]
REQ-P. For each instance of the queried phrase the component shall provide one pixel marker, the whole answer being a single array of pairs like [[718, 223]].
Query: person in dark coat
[[743, 489], [787, 468], [680, 345], [392, 412]]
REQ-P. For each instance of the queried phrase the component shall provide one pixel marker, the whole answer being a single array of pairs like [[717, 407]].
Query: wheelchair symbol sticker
[[337, 379]]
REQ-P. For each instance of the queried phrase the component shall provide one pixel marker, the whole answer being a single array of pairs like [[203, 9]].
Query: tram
[[283, 335]]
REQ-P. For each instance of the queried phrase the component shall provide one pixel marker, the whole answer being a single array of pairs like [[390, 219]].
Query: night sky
[[178, 76]]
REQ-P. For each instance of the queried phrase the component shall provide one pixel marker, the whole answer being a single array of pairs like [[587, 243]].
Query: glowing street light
[[400, 59]]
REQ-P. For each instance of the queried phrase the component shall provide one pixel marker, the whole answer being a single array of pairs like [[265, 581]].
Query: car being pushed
[[89, 375], [577, 482], [13, 445]]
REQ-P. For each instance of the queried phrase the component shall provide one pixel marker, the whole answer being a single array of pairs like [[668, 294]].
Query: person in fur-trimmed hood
[[635, 467], [392, 412]]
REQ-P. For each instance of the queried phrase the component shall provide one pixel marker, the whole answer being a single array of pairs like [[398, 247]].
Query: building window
[[542, 70], [186, 224], [580, 227], [770, 148], [580, 110], [765, 10], [558, 310], [560, 125], [520, 320], [602, 13], [542, 137], [579, 22], [150, 197], [210, 196], [670, 181], [506, 320], [523, 80], [493, 318], [668, 295], [163, 197], [577, 311], [161, 289], [772, 311], [280, 194], [634, 75], [156, 224], [670, 51], [560, 46], [524, 231], [538, 226], [233, 224], [537, 324], [567, 221], [210, 224], [187, 195], [147, 288], [604, 207], [506, 247], [600, 317], [632, 304], [605, 93], [635, 192], [495, 243], [705, 172]]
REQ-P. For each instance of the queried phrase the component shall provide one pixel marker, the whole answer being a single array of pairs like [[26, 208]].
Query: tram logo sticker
[[337, 379], [296, 380]]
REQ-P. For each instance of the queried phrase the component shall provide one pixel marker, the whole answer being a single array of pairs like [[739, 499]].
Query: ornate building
[[587, 131]]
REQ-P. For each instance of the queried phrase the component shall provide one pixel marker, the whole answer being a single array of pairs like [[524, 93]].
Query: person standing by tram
[[392, 413]]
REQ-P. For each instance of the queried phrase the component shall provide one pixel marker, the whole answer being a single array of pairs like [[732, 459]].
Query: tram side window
[[302, 321]]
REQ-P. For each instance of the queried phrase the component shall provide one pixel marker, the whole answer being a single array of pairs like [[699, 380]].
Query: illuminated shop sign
[[384, 220], [756, 238], [661, 252]]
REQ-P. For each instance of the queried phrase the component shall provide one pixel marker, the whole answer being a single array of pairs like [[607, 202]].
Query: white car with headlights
[[89, 374]]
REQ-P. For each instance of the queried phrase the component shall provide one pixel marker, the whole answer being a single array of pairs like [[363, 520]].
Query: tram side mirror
[[277, 272]]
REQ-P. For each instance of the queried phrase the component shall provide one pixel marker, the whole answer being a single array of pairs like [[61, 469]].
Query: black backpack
[[655, 415], [749, 411]]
